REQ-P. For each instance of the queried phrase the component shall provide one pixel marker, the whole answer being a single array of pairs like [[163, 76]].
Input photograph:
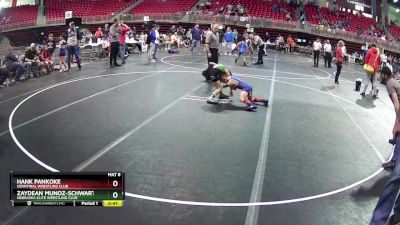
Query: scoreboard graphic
[[105, 189]]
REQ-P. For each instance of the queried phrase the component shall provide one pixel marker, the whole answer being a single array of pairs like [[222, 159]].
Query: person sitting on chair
[[45, 59]]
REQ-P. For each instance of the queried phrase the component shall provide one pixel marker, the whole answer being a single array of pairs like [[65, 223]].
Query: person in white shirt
[[142, 37], [328, 54], [317, 49], [279, 41], [384, 59]]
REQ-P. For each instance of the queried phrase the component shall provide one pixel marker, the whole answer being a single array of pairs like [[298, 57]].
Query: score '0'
[[115, 194]]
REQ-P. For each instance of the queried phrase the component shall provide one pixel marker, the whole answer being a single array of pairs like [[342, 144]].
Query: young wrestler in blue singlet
[[246, 94], [245, 49]]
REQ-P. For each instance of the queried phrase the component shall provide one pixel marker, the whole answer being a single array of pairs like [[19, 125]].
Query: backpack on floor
[[173, 51]]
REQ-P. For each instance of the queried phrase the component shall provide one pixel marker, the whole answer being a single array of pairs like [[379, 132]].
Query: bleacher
[[394, 30], [55, 9], [163, 6], [26, 14], [356, 23], [261, 9]]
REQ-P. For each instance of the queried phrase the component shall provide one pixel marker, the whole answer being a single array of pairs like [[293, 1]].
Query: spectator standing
[[235, 35], [339, 60], [317, 49], [389, 199], [220, 35], [229, 39], [115, 34], [73, 37], [328, 54], [156, 41], [106, 31], [196, 38], [122, 41], [384, 59], [278, 42], [364, 50], [291, 43], [189, 37], [62, 54], [204, 34], [373, 61], [151, 39], [134, 31], [267, 37]]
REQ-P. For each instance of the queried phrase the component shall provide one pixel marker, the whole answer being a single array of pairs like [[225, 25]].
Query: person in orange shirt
[[291, 43], [373, 59]]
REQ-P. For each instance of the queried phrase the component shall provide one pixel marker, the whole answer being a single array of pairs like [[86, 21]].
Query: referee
[[212, 44], [257, 41]]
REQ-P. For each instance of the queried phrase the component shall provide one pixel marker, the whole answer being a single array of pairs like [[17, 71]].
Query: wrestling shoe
[[212, 100], [251, 107], [392, 141], [266, 102], [389, 166], [223, 96]]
